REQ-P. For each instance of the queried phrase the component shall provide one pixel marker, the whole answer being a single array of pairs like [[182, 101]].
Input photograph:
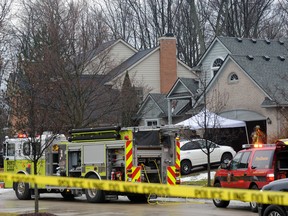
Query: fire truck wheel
[[94, 195], [220, 203], [254, 205], [139, 198], [22, 191], [272, 210], [67, 195], [186, 167]]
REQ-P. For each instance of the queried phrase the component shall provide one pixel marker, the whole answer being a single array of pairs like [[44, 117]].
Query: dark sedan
[[274, 210]]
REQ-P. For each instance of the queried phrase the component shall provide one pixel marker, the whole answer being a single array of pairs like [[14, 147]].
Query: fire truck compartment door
[[94, 153]]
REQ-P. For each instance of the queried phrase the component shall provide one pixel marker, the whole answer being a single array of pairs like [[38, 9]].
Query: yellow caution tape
[[268, 197]]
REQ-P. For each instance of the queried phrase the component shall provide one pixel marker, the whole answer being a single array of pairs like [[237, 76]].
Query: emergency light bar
[[256, 145], [22, 136]]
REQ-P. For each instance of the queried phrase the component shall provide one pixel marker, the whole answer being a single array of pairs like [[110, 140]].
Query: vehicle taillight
[[270, 177]]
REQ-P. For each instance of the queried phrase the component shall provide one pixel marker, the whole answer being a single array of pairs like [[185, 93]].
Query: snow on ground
[[200, 176], [2, 190]]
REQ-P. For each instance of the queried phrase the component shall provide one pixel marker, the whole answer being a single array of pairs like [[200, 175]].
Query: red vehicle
[[252, 168]]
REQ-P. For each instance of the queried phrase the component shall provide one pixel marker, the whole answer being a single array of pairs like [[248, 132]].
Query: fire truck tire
[[22, 191], [254, 205], [220, 203], [139, 198], [272, 210], [67, 195], [226, 157], [186, 167], [94, 195]]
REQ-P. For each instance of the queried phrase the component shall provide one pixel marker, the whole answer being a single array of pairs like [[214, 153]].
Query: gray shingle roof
[[191, 84], [271, 74], [257, 47]]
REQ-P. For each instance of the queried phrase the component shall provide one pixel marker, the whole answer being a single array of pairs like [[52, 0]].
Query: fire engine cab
[[252, 168], [138, 154]]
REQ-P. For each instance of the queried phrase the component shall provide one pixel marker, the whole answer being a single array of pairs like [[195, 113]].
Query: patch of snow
[[201, 176], [5, 190]]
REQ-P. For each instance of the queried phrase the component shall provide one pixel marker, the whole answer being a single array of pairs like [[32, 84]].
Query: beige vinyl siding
[[184, 71], [109, 59], [217, 51], [146, 74], [121, 52]]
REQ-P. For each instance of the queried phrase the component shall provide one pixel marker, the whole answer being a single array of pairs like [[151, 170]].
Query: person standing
[[258, 136]]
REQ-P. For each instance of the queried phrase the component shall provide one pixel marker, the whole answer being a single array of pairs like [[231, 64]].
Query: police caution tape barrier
[[269, 197]]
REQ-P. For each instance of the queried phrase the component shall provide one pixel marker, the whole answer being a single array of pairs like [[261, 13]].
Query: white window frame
[[213, 68], [152, 120], [232, 81]]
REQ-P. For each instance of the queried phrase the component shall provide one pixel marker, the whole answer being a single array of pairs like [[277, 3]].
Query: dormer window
[[216, 65]]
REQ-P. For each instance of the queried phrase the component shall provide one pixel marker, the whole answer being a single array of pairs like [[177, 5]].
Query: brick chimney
[[168, 62]]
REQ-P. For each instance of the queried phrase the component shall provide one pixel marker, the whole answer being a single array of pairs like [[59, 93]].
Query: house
[[250, 80], [245, 80], [153, 70]]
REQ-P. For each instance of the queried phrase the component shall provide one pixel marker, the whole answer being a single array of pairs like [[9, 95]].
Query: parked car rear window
[[190, 146], [263, 159]]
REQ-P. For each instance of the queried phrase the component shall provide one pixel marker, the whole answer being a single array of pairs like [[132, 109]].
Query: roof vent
[[250, 57], [239, 39], [282, 58], [267, 41], [254, 40], [281, 42], [267, 58]]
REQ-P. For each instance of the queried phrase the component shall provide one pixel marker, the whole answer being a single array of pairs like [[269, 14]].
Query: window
[[152, 122], [233, 77], [10, 149], [263, 159], [235, 161], [216, 65], [191, 146], [26, 149], [209, 144], [244, 160]]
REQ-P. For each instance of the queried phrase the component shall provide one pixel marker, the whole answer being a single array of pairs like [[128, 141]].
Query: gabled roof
[[270, 74], [257, 47], [189, 83], [249, 46], [160, 101], [107, 45], [91, 54], [137, 57]]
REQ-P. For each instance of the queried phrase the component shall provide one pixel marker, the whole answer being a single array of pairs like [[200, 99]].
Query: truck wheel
[[274, 210], [226, 157], [220, 203], [22, 191], [67, 195], [94, 195], [186, 167], [254, 205], [140, 198]]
